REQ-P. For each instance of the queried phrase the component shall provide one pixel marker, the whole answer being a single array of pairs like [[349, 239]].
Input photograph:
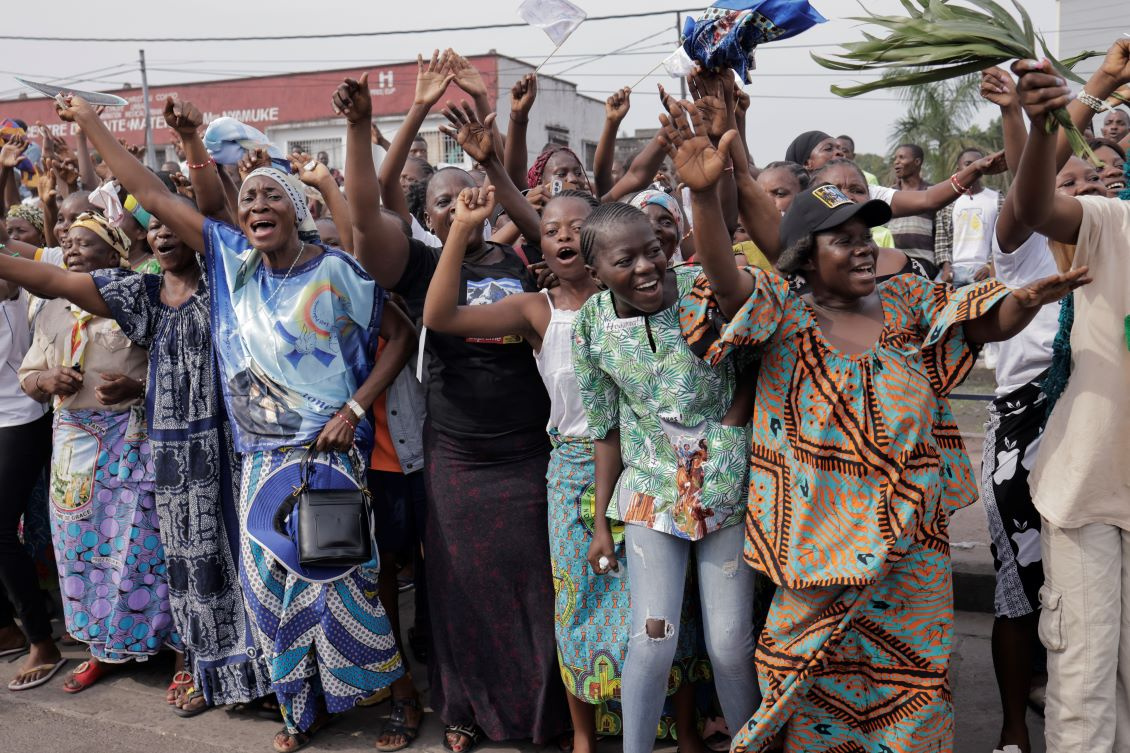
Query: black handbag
[[332, 527]]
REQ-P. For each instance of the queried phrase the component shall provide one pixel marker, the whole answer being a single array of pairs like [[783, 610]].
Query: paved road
[[125, 714]]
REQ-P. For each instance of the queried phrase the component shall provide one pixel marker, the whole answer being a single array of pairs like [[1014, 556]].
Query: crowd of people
[[662, 442]]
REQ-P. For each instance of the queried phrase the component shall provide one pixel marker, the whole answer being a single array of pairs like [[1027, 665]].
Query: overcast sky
[[790, 91]]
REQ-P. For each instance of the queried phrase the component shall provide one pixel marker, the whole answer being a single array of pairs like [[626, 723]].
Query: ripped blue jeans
[[658, 564]]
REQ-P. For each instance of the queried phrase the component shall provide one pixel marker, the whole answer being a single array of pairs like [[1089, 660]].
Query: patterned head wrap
[[101, 227], [660, 199], [31, 215], [536, 172], [295, 191]]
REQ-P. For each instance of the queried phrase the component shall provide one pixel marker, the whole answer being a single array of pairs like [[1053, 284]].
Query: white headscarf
[[295, 192]]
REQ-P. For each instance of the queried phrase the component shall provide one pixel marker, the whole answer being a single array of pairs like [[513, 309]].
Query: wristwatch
[[356, 408]]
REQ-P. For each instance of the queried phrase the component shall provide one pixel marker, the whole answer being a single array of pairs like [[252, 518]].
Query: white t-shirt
[[16, 408], [1082, 473], [1024, 357], [882, 193], [974, 226], [431, 240]]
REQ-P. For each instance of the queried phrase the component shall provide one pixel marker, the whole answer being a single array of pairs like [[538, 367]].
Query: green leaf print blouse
[[684, 471]]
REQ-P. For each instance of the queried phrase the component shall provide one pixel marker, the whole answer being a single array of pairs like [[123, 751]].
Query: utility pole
[[150, 152], [679, 42]]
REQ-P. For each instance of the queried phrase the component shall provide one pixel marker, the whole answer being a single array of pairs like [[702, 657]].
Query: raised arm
[[758, 213], [1016, 310], [379, 241], [615, 110], [906, 203], [714, 99], [10, 155], [86, 169], [700, 165], [1036, 202], [1106, 80], [522, 96], [316, 175], [998, 87], [442, 312], [49, 281], [211, 197], [146, 187], [478, 140], [432, 79]]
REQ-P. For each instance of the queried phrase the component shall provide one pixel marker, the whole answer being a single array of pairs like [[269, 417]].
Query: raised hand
[[477, 139], [183, 184], [433, 77], [67, 107], [252, 160], [352, 100], [523, 94], [45, 185], [474, 205], [184, 118], [1051, 289], [309, 170], [467, 76], [65, 170], [1041, 90], [698, 163], [665, 99], [994, 164], [709, 91], [616, 107], [998, 87], [1117, 61], [13, 151]]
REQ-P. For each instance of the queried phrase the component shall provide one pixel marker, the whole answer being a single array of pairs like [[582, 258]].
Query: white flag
[[679, 64], [557, 18]]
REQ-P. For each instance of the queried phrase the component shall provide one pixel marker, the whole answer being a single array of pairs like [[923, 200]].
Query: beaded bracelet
[[201, 165]]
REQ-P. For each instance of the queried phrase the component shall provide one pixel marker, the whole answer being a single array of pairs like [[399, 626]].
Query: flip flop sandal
[[472, 732], [50, 669], [397, 724], [181, 679], [85, 675], [186, 700]]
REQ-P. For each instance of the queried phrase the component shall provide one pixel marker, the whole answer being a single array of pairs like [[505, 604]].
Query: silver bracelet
[[1093, 102]]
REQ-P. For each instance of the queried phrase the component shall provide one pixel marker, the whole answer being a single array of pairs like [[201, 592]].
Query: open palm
[[697, 162], [476, 139], [1051, 289], [432, 77]]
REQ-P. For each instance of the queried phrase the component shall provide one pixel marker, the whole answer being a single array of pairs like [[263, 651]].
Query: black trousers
[[24, 450]]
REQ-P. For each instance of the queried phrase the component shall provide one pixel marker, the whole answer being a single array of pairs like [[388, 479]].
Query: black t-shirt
[[477, 388]]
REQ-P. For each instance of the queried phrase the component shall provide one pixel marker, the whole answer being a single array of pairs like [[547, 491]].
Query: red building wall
[[262, 101]]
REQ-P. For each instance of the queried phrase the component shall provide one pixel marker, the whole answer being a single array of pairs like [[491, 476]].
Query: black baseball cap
[[825, 207]]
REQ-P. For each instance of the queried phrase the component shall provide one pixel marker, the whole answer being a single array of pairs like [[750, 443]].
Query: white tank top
[[555, 364]]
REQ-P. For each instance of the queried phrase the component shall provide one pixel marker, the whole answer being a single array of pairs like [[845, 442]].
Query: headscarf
[[802, 146], [32, 215], [535, 174], [296, 192], [102, 227], [660, 199], [227, 140]]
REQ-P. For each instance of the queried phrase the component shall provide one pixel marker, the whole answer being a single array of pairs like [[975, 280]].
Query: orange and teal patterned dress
[[856, 465]]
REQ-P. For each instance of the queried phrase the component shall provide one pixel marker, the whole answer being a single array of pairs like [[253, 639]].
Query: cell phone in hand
[[556, 187]]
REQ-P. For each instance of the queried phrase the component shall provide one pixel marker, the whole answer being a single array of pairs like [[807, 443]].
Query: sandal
[[85, 675], [397, 723], [266, 707], [185, 707], [49, 669], [472, 732], [301, 739], [181, 680]]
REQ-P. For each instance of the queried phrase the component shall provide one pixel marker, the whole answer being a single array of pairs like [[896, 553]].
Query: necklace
[[282, 282]]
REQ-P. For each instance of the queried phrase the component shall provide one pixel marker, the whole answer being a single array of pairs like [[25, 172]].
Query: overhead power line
[[340, 35]]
